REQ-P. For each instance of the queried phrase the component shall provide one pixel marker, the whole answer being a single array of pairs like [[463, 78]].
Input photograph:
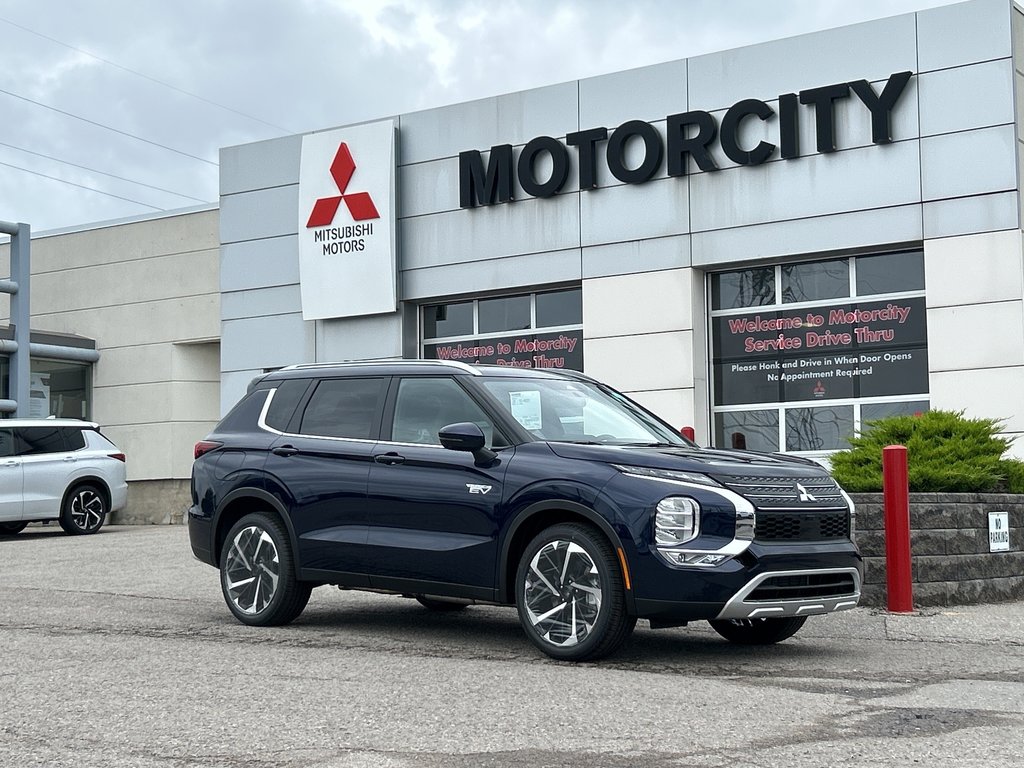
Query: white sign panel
[[347, 222], [998, 532]]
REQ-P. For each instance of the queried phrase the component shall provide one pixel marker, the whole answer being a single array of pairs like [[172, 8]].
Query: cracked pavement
[[119, 651]]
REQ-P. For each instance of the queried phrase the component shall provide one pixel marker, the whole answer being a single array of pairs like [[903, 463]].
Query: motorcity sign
[[346, 222], [526, 350], [688, 136]]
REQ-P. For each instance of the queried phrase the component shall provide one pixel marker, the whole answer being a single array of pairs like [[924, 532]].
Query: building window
[[805, 355], [527, 330], [56, 388]]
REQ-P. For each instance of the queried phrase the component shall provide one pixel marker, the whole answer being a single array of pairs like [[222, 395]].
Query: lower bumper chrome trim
[[740, 607]]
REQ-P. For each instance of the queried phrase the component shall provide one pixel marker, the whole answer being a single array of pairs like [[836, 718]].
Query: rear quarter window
[[73, 438], [288, 395]]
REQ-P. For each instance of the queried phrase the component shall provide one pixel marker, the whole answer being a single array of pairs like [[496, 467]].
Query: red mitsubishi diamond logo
[[360, 204]]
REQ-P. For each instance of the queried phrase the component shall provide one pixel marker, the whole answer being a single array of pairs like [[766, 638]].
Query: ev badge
[[804, 495], [478, 488]]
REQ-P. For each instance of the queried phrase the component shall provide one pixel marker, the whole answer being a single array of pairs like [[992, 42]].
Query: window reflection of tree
[[818, 429], [751, 288], [819, 280], [750, 430]]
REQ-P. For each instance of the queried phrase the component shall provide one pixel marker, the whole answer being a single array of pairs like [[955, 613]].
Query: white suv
[[58, 469]]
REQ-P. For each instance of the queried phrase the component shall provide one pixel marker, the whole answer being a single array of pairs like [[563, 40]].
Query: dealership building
[[772, 244]]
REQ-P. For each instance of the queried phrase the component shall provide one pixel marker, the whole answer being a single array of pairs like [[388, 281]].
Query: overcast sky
[[265, 68]]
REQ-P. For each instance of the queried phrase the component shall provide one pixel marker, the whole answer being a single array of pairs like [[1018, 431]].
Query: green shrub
[[1014, 471], [945, 452]]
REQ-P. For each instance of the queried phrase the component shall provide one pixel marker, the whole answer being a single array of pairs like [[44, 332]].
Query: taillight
[[118, 456], [205, 446]]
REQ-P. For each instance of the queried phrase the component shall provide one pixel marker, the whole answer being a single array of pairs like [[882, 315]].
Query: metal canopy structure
[[18, 288]]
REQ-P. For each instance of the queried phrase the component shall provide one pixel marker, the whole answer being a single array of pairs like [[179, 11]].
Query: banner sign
[[528, 350], [347, 222], [858, 349]]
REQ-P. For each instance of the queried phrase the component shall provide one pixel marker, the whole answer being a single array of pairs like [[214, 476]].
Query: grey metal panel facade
[[514, 118], [952, 169], [872, 51], [651, 255], [961, 99], [263, 164], [256, 215], [969, 163], [481, 276], [969, 215], [860, 230], [648, 94], [963, 33], [259, 263]]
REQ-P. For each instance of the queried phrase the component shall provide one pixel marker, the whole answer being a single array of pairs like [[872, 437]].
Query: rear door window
[[38, 440], [345, 408]]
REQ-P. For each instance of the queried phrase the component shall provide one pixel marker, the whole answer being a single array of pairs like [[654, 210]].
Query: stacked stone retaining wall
[[949, 542]]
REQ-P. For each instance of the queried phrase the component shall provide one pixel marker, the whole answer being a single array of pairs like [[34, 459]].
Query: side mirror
[[467, 436]]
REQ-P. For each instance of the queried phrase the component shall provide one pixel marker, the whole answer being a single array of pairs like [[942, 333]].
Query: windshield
[[578, 412]]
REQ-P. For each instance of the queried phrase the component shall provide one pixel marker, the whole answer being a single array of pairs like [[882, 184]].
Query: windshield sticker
[[525, 407]]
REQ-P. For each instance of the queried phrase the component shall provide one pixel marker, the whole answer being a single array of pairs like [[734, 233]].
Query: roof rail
[[355, 364]]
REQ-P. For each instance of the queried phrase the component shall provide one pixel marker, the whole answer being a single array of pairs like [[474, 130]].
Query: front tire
[[570, 594], [11, 529], [84, 510], [257, 573], [758, 631]]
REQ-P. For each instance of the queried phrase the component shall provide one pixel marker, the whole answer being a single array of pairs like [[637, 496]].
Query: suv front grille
[[806, 587], [793, 509], [801, 526]]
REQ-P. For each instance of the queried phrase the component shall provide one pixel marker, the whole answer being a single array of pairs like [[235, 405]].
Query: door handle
[[70, 458], [389, 458], [10, 463], [284, 450]]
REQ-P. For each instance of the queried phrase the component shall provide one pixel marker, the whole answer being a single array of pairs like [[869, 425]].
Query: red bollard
[[895, 489], [688, 433]]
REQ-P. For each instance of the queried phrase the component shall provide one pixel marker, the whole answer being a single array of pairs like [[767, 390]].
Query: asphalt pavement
[[118, 651]]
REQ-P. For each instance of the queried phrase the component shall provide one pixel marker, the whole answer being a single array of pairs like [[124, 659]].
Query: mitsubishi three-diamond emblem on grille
[[803, 494]]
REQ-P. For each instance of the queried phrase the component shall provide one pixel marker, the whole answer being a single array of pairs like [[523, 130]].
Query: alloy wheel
[[252, 570], [87, 509], [562, 592]]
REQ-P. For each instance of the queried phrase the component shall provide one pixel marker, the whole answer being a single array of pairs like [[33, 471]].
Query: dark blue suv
[[459, 484]]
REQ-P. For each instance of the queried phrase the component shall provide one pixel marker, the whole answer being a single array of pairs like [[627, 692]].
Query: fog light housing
[[676, 521]]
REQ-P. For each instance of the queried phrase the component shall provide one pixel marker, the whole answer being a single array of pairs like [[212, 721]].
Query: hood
[[708, 461]]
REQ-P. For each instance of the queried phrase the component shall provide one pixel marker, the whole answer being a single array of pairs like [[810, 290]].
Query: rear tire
[[84, 510], [257, 573], [11, 529], [570, 594], [758, 631]]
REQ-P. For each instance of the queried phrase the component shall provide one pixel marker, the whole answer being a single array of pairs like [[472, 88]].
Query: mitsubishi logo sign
[[347, 252], [803, 494], [360, 204]]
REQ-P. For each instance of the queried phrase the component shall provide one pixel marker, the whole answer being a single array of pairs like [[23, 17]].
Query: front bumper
[[777, 594]]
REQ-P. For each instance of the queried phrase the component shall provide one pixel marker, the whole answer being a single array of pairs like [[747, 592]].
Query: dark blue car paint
[[406, 518]]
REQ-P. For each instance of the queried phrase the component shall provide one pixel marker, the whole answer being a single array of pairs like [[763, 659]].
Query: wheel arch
[[241, 502], [534, 519], [78, 482]]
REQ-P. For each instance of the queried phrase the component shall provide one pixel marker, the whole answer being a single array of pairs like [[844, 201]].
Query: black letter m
[[494, 186]]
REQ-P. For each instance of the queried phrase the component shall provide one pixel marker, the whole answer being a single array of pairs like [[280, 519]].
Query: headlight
[[669, 475], [676, 521], [853, 515]]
